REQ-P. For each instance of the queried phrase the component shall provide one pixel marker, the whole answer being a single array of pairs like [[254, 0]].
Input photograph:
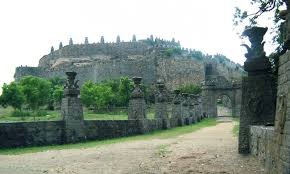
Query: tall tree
[[36, 90], [12, 96]]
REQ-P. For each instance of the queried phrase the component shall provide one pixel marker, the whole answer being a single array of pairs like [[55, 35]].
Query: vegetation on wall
[[190, 89]]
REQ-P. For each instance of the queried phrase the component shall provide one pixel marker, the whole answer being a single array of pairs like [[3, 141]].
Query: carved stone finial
[[134, 38], [86, 40], [71, 41], [255, 35], [60, 46], [71, 87], [102, 39], [137, 92], [118, 40]]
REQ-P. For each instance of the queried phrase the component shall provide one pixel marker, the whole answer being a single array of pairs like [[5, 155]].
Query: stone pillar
[[70, 41], [191, 107], [161, 105], [118, 40], [209, 107], [102, 40], [258, 89], [60, 46], [51, 50], [86, 40], [72, 111], [137, 105], [176, 108], [184, 108], [134, 38], [198, 107]]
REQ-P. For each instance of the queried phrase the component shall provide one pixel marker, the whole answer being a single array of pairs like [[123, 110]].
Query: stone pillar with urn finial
[[185, 107], [137, 105], [161, 105], [258, 88], [72, 111], [176, 107]]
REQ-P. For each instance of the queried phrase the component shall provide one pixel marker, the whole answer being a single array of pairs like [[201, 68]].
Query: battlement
[[113, 49], [22, 71]]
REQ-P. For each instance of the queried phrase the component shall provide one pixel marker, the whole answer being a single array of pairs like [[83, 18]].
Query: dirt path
[[211, 150]]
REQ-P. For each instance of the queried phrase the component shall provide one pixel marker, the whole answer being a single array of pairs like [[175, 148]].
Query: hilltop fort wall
[[149, 58]]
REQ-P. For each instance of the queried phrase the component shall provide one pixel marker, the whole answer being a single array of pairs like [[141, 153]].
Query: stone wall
[[261, 144], [282, 119], [272, 145], [53, 132], [31, 133]]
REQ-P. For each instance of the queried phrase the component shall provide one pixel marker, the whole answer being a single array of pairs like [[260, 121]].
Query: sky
[[29, 28]]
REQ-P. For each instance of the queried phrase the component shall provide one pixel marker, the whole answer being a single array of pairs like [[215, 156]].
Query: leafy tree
[[248, 18], [36, 91], [12, 96], [57, 94], [125, 87], [262, 7], [103, 96], [87, 94], [98, 96]]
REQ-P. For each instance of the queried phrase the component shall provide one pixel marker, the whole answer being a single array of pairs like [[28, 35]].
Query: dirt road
[[212, 150]]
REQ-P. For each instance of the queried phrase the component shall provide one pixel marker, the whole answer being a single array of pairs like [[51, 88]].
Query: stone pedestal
[[72, 111], [258, 89], [161, 105], [176, 108], [137, 105], [185, 108]]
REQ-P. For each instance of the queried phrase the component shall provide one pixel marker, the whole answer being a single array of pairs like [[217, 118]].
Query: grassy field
[[120, 114], [161, 134]]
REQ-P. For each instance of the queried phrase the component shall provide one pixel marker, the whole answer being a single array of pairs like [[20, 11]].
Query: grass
[[162, 150], [6, 116], [160, 134], [236, 127], [120, 114]]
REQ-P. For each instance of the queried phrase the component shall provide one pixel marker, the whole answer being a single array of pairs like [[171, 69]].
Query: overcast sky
[[29, 28]]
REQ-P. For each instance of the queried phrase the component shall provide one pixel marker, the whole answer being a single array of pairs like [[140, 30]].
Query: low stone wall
[[31, 133], [52, 132], [261, 144]]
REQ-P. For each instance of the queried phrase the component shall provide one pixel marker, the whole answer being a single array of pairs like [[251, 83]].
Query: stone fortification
[[150, 59]]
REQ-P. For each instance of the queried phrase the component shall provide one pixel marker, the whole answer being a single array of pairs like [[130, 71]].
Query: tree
[[57, 94], [36, 91], [263, 7], [98, 96], [125, 87], [87, 94], [12, 96]]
